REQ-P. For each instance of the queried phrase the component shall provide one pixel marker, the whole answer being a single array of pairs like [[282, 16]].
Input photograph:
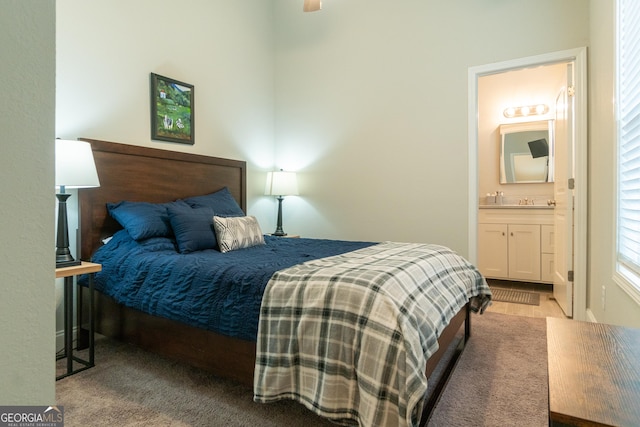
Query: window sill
[[628, 282]]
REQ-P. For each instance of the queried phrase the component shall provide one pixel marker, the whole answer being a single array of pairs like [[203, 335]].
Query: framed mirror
[[526, 152]]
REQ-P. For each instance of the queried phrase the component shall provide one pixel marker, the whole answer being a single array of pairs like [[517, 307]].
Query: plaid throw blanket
[[348, 336]]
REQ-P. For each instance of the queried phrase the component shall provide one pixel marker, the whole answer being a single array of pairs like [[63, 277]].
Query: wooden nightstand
[[68, 273]]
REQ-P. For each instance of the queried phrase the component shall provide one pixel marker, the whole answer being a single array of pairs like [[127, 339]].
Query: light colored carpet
[[501, 375], [500, 380]]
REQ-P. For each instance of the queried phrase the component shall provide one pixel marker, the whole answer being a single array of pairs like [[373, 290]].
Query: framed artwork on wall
[[171, 110]]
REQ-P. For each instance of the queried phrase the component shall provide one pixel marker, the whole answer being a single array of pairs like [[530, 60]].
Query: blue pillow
[[222, 203], [143, 220], [193, 228]]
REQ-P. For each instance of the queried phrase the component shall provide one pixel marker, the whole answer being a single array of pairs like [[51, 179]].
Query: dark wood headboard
[[134, 173]]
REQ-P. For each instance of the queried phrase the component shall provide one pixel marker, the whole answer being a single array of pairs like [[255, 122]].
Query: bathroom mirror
[[526, 152]]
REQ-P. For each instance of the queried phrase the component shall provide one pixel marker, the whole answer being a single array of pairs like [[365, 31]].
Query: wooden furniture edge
[[593, 373], [141, 175], [84, 268], [228, 357]]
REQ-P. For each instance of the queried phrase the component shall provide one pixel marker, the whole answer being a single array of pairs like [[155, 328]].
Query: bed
[[138, 174]]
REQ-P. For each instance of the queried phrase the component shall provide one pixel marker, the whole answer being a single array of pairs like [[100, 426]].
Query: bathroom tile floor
[[548, 306]]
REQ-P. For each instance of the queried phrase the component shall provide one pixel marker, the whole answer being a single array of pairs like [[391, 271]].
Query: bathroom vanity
[[516, 242]]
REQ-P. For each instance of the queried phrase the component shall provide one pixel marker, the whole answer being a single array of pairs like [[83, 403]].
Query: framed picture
[[171, 110]]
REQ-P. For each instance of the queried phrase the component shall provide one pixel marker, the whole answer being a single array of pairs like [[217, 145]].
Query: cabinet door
[[492, 250], [547, 268], [547, 236], [524, 252]]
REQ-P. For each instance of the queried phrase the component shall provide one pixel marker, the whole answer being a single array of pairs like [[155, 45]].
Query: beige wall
[[371, 107], [367, 99], [27, 84], [106, 51], [619, 307], [370, 96], [224, 48]]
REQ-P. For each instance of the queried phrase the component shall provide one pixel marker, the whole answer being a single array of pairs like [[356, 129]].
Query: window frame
[[626, 274]]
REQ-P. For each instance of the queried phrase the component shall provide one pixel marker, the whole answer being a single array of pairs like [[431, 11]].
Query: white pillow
[[237, 232]]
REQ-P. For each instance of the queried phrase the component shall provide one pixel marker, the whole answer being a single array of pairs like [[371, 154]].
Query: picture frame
[[172, 109]]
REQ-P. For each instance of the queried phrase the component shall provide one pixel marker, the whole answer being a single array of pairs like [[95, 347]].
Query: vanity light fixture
[[526, 110]]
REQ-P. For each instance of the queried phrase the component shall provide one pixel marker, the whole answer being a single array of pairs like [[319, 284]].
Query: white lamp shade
[[75, 167], [281, 184]]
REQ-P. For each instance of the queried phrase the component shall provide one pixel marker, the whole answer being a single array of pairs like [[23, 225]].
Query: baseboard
[[590, 316]]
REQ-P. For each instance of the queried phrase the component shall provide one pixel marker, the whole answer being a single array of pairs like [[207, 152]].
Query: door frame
[[579, 57]]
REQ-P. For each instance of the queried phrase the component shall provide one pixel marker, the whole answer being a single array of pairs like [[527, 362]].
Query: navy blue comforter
[[206, 289]]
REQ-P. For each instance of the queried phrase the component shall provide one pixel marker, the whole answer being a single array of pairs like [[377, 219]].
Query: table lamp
[[75, 168], [281, 184]]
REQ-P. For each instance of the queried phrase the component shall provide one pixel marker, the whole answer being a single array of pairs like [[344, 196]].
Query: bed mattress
[[206, 289]]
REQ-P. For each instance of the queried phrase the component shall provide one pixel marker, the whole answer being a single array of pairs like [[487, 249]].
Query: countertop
[[515, 207]]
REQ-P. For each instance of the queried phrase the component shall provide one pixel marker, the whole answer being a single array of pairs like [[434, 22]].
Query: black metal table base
[[68, 326]]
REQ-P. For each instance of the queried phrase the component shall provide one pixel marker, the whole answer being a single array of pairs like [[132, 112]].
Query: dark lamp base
[[63, 255], [60, 264]]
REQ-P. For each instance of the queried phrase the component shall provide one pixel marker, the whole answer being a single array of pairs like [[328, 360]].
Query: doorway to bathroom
[[495, 92]]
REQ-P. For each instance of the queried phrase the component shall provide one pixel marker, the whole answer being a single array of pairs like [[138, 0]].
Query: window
[[628, 112]]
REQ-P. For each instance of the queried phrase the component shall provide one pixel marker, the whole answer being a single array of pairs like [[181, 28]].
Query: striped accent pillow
[[237, 232]]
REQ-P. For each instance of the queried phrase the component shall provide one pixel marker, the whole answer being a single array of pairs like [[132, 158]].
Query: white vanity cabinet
[[516, 243], [547, 268]]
